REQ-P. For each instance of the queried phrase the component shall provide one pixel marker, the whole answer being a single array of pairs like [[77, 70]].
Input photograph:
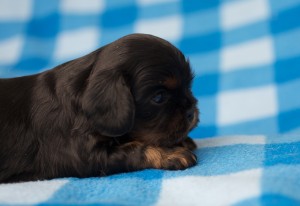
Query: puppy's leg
[[23, 177], [136, 156]]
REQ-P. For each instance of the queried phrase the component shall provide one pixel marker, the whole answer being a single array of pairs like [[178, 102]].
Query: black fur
[[96, 115]]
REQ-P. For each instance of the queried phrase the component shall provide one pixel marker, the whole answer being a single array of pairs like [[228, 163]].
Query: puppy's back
[[15, 95]]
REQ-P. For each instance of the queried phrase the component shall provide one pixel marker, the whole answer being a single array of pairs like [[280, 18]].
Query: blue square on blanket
[[111, 34], [281, 185], [203, 131], [118, 3], [284, 153], [10, 29], [205, 63], [135, 188], [208, 19], [286, 20], [262, 75], [245, 33], [44, 27], [119, 16], [292, 117], [287, 70], [45, 7], [201, 43], [284, 45], [160, 10], [205, 85], [29, 66], [268, 124], [195, 5]]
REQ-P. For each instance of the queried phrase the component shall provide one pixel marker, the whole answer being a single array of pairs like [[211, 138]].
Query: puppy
[[124, 107]]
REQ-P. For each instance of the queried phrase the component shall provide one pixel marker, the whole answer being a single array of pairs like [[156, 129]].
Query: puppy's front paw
[[180, 158], [177, 158]]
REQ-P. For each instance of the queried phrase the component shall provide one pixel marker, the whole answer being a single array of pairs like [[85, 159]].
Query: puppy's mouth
[[168, 136], [182, 133], [194, 121]]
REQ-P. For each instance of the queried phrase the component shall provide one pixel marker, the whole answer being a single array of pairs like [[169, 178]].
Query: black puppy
[[126, 106]]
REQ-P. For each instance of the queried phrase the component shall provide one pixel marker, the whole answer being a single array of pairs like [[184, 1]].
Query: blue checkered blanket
[[233, 170], [246, 57]]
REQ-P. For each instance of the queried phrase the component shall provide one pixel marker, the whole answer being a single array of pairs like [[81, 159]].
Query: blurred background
[[245, 53]]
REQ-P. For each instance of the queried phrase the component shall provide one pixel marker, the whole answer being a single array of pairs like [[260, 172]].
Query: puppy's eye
[[159, 97]]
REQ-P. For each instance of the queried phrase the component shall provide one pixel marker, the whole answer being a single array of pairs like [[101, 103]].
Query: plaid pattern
[[245, 53], [234, 170]]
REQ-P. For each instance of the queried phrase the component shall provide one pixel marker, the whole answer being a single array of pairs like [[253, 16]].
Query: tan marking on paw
[[164, 159], [154, 157], [179, 156]]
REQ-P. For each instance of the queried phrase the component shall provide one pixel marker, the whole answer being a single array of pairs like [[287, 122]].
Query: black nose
[[190, 115]]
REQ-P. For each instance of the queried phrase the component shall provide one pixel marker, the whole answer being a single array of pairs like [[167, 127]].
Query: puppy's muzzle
[[190, 115]]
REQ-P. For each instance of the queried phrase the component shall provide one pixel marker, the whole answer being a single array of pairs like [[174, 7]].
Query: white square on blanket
[[15, 10], [29, 192], [84, 7], [10, 50], [250, 54], [211, 190], [246, 105], [238, 13], [169, 28], [75, 43]]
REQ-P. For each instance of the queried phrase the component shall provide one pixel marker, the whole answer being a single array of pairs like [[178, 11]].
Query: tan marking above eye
[[172, 83]]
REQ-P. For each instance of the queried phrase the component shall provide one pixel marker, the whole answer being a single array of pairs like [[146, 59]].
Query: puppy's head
[[141, 85]]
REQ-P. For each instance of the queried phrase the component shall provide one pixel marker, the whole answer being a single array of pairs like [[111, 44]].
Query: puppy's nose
[[190, 114]]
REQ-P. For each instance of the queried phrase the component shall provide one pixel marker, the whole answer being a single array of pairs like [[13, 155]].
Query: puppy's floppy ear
[[108, 103]]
